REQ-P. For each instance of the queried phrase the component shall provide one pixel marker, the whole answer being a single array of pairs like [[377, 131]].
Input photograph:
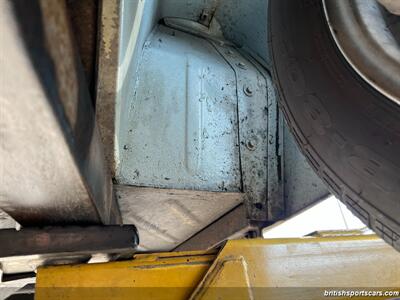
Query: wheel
[[342, 110]]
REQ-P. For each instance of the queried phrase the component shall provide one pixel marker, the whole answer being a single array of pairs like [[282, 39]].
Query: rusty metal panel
[[107, 73], [52, 165]]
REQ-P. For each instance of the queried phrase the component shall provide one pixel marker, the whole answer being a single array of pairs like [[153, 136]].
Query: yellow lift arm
[[242, 269]]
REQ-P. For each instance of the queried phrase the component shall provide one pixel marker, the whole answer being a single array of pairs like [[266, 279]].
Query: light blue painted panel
[[182, 120]]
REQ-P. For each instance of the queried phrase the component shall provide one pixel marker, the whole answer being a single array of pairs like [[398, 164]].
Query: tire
[[349, 132]]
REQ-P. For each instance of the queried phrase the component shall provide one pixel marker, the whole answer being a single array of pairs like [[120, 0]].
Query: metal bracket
[[24, 250], [252, 97]]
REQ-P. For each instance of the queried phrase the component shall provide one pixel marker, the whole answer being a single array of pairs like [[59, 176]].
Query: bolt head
[[248, 90], [251, 145]]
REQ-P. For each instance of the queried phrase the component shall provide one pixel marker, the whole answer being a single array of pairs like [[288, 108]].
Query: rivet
[[251, 145], [248, 90], [241, 65]]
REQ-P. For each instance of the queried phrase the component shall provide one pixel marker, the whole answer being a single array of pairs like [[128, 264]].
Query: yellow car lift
[[242, 269]]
